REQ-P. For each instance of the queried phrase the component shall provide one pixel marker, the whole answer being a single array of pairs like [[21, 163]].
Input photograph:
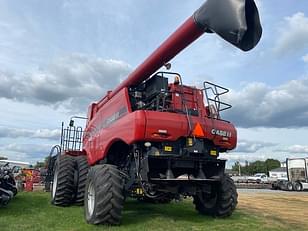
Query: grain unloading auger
[[236, 21], [157, 141]]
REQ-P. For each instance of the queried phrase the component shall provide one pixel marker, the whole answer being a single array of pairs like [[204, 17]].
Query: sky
[[58, 56]]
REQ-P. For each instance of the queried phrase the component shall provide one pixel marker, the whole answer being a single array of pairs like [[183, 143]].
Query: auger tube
[[236, 21]]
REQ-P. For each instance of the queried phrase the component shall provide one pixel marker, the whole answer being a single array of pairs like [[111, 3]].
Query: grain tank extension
[[155, 139]]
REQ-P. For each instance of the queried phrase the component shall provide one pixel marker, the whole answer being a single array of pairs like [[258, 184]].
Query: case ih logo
[[221, 133]]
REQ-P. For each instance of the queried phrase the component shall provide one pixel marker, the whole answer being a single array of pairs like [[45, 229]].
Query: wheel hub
[[91, 198], [54, 184]]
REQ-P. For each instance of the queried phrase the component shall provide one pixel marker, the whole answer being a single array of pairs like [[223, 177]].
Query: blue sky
[[57, 56]]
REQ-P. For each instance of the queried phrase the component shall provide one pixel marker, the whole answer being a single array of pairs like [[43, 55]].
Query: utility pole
[[239, 168]]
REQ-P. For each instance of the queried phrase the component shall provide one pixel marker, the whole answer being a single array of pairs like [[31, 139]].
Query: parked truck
[[297, 172], [258, 178], [154, 138]]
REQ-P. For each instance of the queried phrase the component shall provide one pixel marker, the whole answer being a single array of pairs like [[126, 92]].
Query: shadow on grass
[[134, 211], [140, 212], [33, 211]]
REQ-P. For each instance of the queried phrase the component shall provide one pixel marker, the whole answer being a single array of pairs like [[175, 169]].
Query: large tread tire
[[222, 203], [63, 187], [104, 195], [13, 189], [289, 186], [298, 186], [82, 169], [11, 185]]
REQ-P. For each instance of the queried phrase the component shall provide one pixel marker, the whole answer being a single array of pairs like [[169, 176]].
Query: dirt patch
[[285, 208]]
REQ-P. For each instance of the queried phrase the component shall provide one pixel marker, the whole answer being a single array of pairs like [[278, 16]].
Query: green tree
[[42, 164], [236, 166], [272, 164], [256, 166], [39, 164]]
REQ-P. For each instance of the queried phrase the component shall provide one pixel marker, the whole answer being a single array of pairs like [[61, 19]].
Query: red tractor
[[158, 140]]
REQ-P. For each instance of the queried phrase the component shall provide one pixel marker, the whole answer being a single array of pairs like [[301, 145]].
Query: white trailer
[[14, 163]]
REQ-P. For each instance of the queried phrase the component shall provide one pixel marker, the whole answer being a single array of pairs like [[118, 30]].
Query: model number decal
[[107, 122], [222, 133]]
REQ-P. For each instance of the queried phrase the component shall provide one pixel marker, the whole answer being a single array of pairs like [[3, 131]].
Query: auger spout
[[236, 21]]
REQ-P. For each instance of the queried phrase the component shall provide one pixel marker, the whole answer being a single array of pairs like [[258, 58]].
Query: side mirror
[[71, 123]]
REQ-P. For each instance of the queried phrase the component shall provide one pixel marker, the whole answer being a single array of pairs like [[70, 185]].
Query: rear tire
[[104, 195], [11, 185], [289, 186], [298, 186], [82, 168], [221, 203], [63, 188]]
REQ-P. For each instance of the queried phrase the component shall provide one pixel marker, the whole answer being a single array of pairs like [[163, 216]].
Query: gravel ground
[[283, 206], [260, 191]]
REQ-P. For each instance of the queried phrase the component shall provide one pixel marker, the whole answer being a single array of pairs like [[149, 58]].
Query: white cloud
[[249, 150], [248, 146], [39, 134], [73, 81], [300, 149], [305, 58], [242, 157], [293, 34], [25, 152], [47, 134], [259, 105]]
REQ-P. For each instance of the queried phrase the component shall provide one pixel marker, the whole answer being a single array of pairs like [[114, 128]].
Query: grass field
[[32, 211]]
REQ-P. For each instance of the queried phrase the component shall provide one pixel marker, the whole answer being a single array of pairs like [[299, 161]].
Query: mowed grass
[[33, 211]]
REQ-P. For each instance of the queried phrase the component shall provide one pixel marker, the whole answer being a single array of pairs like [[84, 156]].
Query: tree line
[[256, 166]]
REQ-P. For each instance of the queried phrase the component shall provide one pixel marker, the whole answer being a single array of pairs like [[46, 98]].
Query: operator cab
[[157, 94]]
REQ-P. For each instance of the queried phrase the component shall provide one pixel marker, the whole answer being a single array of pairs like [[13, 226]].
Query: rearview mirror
[[71, 123]]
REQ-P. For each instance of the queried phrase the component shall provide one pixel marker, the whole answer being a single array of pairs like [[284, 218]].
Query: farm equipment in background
[[297, 171], [7, 184], [25, 176], [154, 139], [30, 177]]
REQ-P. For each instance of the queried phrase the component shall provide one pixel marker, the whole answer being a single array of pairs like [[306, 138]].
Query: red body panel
[[193, 98], [176, 126], [111, 123], [115, 121]]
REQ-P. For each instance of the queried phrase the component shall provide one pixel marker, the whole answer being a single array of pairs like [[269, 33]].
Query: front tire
[[104, 195], [221, 203], [63, 187]]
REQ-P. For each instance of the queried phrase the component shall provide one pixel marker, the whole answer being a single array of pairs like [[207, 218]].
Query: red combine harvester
[[156, 140]]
